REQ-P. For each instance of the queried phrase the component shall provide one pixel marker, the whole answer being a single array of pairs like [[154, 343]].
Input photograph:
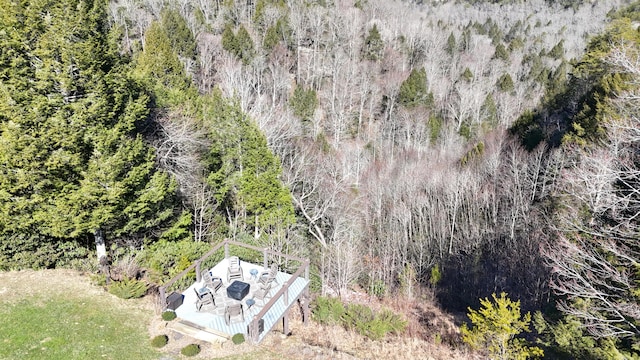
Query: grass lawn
[[48, 318]]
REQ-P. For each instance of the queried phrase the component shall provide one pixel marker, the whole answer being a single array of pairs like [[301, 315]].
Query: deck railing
[[253, 333]]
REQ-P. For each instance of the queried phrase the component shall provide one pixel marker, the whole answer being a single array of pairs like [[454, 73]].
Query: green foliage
[[181, 228], [128, 288], [168, 315], [229, 39], [435, 275], [165, 259], [34, 251], [465, 130], [489, 111], [244, 170], [304, 103], [373, 45], [474, 153], [515, 44], [72, 160], [408, 280], [435, 126], [414, 90], [159, 341], [496, 327], [327, 310], [158, 63], [239, 44], [501, 53], [451, 44], [180, 36], [527, 129], [378, 288], [190, 350], [467, 75], [505, 83], [557, 52], [237, 339], [358, 317], [278, 32]]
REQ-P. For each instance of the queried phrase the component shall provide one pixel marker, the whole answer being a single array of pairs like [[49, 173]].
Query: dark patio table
[[238, 290]]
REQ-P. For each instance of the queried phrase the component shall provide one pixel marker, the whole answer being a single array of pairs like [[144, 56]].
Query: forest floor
[[431, 334]]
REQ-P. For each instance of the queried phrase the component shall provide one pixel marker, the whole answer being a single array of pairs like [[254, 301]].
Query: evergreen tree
[[229, 42], [489, 110], [244, 171], [505, 83], [304, 103], [180, 36], [451, 44], [501, 53], [246, 50], [467, 75], [240, 44], [72, 165], [373, 45], [158, 66], [496, 327], [414, 91], [280, 31]]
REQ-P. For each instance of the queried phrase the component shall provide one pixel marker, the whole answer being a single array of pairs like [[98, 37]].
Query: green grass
[[60, 326]]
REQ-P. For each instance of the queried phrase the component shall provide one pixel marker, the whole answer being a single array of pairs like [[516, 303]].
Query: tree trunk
[[101, 248]]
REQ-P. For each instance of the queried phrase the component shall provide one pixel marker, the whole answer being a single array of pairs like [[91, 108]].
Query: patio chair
[[213, 283], [268, 276], [204, 298], [234, 271], [262, 293], [233, 310]]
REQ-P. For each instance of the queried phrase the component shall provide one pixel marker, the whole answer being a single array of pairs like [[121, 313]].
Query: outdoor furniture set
[[237, 290]]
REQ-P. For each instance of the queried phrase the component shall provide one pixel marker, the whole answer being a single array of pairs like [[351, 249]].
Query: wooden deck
[[286, 292], [211, 318]]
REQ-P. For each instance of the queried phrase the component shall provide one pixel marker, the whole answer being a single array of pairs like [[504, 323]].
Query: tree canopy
[[72, 160]]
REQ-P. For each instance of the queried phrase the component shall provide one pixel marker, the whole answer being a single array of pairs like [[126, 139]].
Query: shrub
[[128, 288], [237, 339], [169, 315], [358, 317], [190, 350], [378, 288], [495, 328], [328, 310], [159, 341]]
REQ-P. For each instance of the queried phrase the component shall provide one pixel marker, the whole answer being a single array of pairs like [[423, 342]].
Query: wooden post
[[264, 259], [226, 250], [285, 323], [163, 297], [286, 294], [305, 305], [198, 275]]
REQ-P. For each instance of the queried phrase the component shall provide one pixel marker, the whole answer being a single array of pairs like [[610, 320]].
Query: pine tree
[[158, 65], [246, 50], [505, 83], [244, 171], [180, 36], [496, 327], [501, 53], [72, 164], [373, 45], [451, 44], [414, 91]]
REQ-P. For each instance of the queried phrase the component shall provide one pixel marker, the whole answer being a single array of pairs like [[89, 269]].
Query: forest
[[441, 150]]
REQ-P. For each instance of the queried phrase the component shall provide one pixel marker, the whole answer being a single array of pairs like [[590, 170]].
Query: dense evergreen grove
[[449, 156]]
